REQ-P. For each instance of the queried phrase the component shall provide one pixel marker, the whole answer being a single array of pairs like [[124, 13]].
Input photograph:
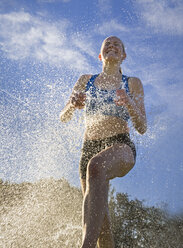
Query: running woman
[[109, 99]]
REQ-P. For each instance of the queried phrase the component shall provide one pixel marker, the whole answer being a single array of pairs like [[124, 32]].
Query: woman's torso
[[100, 126]]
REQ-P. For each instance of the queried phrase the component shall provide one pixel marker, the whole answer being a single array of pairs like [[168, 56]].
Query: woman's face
[[112, 50]]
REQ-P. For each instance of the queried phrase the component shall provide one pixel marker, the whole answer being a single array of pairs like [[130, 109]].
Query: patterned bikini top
[[101, 102]]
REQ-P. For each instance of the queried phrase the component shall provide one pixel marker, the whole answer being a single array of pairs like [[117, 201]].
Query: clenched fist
[[122, 98], [78, 100]]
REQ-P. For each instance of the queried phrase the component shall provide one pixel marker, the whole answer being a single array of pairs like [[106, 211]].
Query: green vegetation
[[47, 214], [136, 226]]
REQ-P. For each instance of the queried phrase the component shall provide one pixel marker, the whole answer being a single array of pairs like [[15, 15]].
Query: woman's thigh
[[115, 161]]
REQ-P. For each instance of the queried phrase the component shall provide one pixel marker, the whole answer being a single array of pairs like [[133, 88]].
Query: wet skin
[[115, 161]]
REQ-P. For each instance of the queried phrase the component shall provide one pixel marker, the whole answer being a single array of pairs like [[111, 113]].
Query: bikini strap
[[125, 81], [91, 82]]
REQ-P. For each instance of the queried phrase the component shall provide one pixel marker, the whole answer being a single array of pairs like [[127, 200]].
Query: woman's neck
[[112, 70], [110, 78]]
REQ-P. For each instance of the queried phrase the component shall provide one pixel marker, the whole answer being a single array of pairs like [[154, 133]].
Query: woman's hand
[[122, 99], [78, 100]]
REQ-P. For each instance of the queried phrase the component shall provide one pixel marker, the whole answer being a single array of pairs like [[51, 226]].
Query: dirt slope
[[40, 215]]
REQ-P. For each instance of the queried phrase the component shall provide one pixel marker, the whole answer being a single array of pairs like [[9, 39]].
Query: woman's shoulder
[[135, 84], [81, 82], [134, 80], [85, 77]]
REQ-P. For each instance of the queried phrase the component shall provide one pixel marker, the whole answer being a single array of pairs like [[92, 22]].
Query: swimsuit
[[100, 101], [92, 147]]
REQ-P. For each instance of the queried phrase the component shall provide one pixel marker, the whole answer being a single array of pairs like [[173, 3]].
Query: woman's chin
[[112, 58]]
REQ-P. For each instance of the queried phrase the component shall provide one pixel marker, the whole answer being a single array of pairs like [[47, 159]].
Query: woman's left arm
[[134, 104]]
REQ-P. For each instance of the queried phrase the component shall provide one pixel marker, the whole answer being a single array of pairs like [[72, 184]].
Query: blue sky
[[45, 45]]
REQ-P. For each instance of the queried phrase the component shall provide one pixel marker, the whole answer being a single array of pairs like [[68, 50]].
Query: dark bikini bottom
[[92, 147]]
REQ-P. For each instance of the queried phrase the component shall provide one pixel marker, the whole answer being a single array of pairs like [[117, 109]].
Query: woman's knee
[[127, 168]]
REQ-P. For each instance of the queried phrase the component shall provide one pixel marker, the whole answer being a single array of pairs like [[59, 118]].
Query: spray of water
[[35, 145]]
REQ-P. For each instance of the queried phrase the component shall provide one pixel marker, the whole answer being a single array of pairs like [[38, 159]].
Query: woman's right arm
[[77, 99], [67, 113]]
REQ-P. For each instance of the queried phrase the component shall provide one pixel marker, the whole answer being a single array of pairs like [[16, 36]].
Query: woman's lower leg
[[106, 237], [94, 209]]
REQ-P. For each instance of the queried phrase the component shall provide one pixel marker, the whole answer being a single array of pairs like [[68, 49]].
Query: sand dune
[[44, 214]]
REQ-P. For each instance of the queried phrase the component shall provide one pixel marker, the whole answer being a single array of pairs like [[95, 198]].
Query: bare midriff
[[101, 127]]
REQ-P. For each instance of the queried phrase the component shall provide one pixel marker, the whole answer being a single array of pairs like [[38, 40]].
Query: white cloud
[[110, 27], [25, 36], [104, 6], [83, 43], [164, 16]]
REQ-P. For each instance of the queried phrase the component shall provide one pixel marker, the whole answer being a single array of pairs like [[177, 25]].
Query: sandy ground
[[40, 215]]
